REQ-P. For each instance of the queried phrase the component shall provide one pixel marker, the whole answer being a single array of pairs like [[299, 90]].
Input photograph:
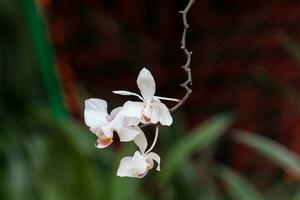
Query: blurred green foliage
[[44, 156], [237, 186]]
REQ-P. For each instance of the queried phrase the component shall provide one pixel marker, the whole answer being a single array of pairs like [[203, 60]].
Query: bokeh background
[[237, 137]]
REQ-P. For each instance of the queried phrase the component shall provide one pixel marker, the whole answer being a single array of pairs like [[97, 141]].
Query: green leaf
[[45, 56], [237, 186], [279, 190], [125, 188], [271, 150], [208, 191], [203, 136]]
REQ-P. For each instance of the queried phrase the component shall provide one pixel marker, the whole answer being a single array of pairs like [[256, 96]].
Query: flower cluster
[[125, 122]]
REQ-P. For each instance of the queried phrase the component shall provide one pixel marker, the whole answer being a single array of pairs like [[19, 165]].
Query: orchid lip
[[139, 175], [104, 141], [142, 175]]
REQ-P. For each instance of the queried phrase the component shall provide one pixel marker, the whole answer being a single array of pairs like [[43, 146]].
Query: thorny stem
[[188, 54], [155, 139]]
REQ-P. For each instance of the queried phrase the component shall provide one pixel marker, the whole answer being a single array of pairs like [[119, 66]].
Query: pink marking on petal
[[104, 142]]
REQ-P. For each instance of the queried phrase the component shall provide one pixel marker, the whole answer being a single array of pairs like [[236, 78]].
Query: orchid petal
[[121, 122], [132, 109], [154, 156], [118, 122], [94, 119], [128, 134], [127, 93], [161, 111], [125, 167], [146, 84], [96, 105], [114, 113], [132, 121], [107, 131], [166, 98], [141, 141], [95, 113]]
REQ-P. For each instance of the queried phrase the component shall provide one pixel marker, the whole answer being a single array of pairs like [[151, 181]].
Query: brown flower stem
[[188, 55]]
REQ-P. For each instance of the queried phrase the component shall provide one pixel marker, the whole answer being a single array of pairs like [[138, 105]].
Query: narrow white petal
[[141, 141], [155, 157], [146, 84], [125, 167], [127, 93], [128, 134], [96, 105], [166, 98], [161, 111], [132, 109], [94, 119]]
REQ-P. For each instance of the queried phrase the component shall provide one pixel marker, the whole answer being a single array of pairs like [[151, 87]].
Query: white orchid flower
[[104, 125], [138, 165], [151, 110]]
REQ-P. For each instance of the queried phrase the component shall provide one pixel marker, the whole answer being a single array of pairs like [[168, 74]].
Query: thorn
[[181, 11]]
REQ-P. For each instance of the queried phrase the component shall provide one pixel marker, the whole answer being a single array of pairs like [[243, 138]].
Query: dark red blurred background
[[239, 61]]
